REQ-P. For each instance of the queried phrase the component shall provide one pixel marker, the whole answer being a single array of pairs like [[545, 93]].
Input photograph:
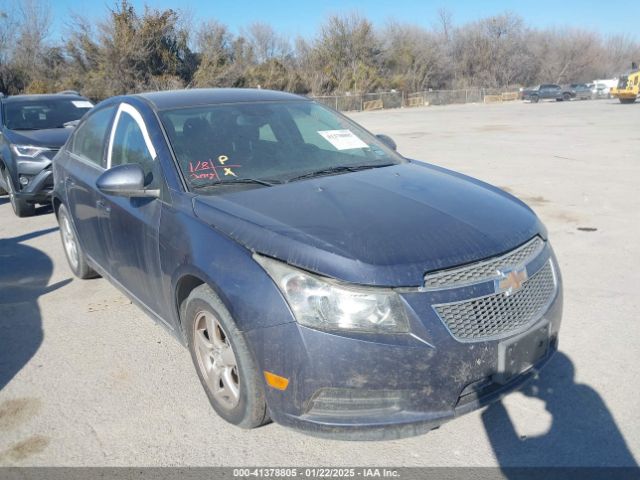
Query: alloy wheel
[[216, 359], [69, 242]]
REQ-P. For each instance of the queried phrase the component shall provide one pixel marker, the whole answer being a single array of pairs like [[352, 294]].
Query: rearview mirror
[[125, 181], [387, 140]]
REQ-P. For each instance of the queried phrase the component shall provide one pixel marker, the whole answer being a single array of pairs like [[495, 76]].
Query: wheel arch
[[184, 286], [186, 283], [56, 202]]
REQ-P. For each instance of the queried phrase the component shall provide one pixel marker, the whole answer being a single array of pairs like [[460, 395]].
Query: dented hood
[[386, 226]]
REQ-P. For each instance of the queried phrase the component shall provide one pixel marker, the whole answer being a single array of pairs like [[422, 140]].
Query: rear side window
[[90, 138]]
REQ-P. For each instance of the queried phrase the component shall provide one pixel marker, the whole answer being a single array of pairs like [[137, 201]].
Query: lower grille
[[499, 315]]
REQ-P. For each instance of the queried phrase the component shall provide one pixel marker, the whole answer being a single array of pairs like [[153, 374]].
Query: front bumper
[[40, 176], [370, 387]]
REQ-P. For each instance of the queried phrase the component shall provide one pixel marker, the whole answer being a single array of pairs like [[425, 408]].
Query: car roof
[[170, 99], [37, 97]]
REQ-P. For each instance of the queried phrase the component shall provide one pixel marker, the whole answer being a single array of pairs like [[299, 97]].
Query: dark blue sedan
[[317, 277]]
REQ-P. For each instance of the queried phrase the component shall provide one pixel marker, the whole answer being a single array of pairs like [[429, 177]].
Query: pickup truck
[[546, 91]]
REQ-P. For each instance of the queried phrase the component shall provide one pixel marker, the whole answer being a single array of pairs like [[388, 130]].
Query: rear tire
[[566, 97], [224, 364], [627, 100], [2, 190], [534, 99], [72, 249], [20, 207]]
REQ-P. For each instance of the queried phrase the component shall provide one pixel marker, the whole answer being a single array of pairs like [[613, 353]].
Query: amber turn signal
[[276, 381]]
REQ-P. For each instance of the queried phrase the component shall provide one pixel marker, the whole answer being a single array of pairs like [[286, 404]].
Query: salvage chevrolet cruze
[[318, 277]]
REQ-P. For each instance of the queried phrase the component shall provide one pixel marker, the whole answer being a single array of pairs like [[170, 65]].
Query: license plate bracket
[[518, 354]]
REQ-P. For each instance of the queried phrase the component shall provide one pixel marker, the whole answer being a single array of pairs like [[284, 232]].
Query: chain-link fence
[[445, 97], [366, 101], [378, 101]]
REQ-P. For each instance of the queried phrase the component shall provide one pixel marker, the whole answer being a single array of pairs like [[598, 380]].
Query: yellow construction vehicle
[[628, 87]]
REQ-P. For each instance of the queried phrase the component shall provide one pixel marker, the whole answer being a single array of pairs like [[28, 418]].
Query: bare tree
[[413, 58], [493, 52], [616, 56], [568, 55], [347, 52], [213, 42], [444, 23], [33, 30], [266, 43]]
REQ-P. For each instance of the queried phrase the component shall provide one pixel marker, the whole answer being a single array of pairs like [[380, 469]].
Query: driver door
[[132, 224]]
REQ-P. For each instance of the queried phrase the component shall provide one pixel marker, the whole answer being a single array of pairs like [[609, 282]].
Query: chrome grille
[[485, 270], [499, 315]]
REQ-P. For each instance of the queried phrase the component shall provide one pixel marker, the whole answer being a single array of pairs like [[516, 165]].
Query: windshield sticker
[[342, 139], [82, 104], [208, 170]]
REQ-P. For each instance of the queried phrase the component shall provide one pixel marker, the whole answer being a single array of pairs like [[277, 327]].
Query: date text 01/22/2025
[[316, 472]]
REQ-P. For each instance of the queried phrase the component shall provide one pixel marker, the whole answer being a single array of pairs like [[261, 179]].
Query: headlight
[[28, 150], [327, 305]]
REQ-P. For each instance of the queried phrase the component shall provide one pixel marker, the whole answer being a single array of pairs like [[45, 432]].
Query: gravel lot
[[87, 379]]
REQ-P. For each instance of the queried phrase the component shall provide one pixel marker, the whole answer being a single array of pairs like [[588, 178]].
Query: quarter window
[[89, 139]]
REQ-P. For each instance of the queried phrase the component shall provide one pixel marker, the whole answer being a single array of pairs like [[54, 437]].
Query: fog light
[[24, 181], [350, 401]]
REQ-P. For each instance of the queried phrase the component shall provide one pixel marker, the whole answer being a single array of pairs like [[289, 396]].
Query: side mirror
[[387, 140], [125, 181]]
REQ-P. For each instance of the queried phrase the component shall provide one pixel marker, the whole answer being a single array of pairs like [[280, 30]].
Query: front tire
[[73, 251], [2, 190], [627, 100], [566, 97], [534, 99], [224, 364]]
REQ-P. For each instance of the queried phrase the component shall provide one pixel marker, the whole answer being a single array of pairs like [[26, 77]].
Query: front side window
[[129, 145], [44, 114], [273, 142], [90, 137]]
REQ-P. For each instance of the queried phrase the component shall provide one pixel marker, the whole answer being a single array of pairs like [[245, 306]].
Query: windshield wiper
[[338, 169], [236, 181]]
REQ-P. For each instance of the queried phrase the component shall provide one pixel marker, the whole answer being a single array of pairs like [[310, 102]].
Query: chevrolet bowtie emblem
[[510, 281]]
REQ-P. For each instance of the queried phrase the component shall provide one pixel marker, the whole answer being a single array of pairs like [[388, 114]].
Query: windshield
[[267, 143], [42, 114]]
